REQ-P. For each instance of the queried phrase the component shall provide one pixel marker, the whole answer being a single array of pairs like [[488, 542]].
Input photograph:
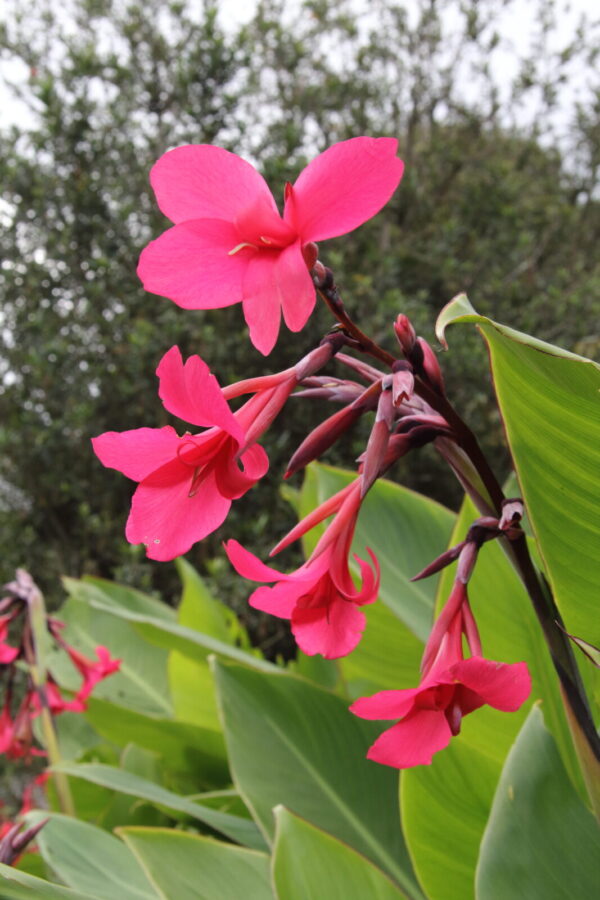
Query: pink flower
[[187, 484], [92, 672], [7, 653], [432, 713], [320, 597], [229, 243]]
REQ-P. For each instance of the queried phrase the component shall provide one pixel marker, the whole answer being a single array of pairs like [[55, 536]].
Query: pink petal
[[166, 519], [262, 300], [386, 704], [279, 600], [200, 181], [298, 295], [232, 481], [413, 741], [190, 392], [344, 186], [8, 653], [191, 264], [333, 630], [504, 686], [138, 452], [249, 566]]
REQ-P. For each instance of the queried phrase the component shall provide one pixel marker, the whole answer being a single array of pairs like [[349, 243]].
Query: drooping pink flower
[[92, 672], [7, 653], [452, 688], [187, 483], [229, 243], [320, 597]]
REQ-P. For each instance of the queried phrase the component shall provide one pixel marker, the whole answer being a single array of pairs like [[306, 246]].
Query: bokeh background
[[495, 105]]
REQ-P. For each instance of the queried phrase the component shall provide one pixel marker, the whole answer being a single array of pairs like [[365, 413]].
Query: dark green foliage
[[507, 214]]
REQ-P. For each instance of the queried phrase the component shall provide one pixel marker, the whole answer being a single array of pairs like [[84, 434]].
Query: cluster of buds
[[14, 839], [451, 685], [42, 693]]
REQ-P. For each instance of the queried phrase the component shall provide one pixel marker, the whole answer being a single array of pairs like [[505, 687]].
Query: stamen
[[196, 479], [241, 247]]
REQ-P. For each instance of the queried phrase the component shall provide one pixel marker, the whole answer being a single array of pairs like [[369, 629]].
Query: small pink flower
[[7, 653], [320, 597], [432, 713], [92, 672], [229, 243], [187, 484]]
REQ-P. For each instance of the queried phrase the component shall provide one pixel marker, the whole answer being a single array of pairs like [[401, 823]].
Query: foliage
[[487, 204]]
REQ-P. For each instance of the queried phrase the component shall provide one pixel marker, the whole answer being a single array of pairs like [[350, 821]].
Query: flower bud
[[406, 334], [310, 252]]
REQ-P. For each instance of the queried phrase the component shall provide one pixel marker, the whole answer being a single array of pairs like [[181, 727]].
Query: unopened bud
[[322, 437], [431, 367], [13, 843], [406, 334], [379, 438], [320, 356], [403, 381], [310, 252], [512, 513]]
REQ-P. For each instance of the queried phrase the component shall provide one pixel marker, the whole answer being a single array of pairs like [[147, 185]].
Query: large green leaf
[[550, 405], [184, 748], [90, 860], [140, 683], [293, 743], [16, 885], [540, 837], [238, 829], [309, 864], [111, 593], [445, 806], [185, 866], [405, 530]]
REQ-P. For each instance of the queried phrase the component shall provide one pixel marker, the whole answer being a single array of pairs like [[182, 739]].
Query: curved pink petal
[[279, 600], [505, 686], [8, 653], [138, 452], [262, 300], [333, 630], [298, 295], [386, 704], [413, 741], [166, 519], [200, 181], [190, 392], [232, 481], [191, 264], [344, 186], [248, 565]]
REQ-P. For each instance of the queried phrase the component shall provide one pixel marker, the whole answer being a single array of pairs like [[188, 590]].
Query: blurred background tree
[[500, 198]]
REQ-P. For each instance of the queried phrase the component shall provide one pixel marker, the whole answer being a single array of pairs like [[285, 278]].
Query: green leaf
[[539, 836], [91, 860], [184, 748], [185, 866], [335, 871], [445, 806], [17, 885], [293, 743], [549, 400], [121, 596], [404, 529], [140, 683], [237, 829]]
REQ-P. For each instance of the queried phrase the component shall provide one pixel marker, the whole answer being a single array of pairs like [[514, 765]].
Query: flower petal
[[191, 264], [138, 452], [166, 519], [386, 704], [344, 186], [190, 392], [413, 741], [200, 181], [333, 629], [262, 300], [298, 295], [248, 565], [232, 481], [279, 600], [505, 686]]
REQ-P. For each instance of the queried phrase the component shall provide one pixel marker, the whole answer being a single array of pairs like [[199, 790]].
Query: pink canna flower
[[92, 672], [319, 598], [452, 687], [229, 243], [7, 653], [187, 483]]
